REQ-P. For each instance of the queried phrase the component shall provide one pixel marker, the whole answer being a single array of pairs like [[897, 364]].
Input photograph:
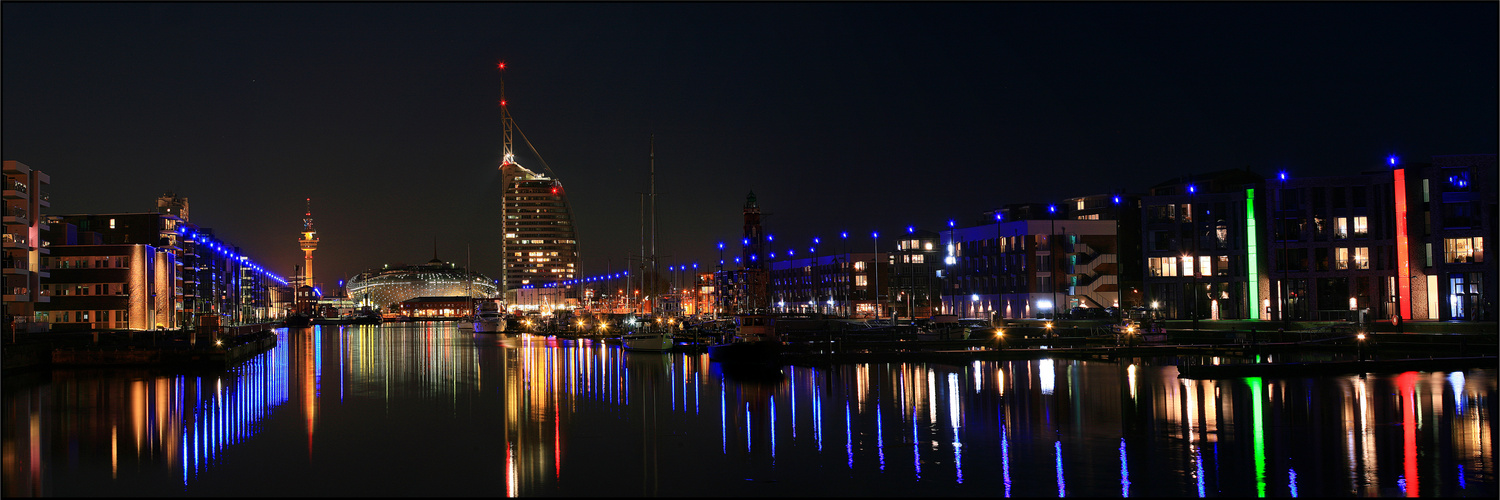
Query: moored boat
[[489, 319], [647, 341], [754, 341]]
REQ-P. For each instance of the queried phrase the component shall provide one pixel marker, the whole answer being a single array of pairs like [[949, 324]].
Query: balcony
[[16, 215], [16, 241], [44, 199], [16, 190]]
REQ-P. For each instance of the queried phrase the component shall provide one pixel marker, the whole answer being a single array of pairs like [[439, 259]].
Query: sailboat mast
[[654, 267]]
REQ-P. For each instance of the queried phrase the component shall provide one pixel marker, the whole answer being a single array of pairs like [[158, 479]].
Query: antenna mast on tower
[[508, 154]]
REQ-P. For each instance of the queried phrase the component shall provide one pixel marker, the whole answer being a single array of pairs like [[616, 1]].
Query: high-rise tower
[[309, 242], [539, 246]]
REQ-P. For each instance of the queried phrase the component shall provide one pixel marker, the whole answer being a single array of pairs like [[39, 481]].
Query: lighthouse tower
[[309, 242]]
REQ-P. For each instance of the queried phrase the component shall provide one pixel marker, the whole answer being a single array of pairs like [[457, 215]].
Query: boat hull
[[647, 342], [764, 351], [489, 326]]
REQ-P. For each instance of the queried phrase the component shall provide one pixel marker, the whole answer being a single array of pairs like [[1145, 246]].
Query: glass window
[[1361, 227], [1361, 257], [1340, 258], [1341, 228], [1463, 250], [1187, 266]]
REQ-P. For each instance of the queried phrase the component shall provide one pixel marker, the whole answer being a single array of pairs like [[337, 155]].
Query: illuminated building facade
[[1451, 219], [914, 269], [1026, 268], [110, 287], [1196, 246], [207, 275], [540, 245], [1331, 248], [384, 288], [24, 246]]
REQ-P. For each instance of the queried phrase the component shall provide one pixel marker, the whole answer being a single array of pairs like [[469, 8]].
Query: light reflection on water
[[431, 409]]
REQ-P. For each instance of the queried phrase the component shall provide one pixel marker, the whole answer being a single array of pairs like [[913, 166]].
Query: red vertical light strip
[[1406, 384], [1403, 253]]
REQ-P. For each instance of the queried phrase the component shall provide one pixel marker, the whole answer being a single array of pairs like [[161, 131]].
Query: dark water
[[430, 409]]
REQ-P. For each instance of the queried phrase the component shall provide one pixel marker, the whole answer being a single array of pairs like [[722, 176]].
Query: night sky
[[838, 116]]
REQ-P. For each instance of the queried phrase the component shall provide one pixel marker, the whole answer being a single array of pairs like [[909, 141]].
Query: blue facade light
[[721, 245], [910, 229], [1117, 199], [844, 235], [817, 240], [950, 223], [1282, 175], [1192, 188], [1052, 208], [1392, 160], [745, 242]]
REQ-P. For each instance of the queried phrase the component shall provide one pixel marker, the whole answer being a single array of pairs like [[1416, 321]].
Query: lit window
[[1463, 250], [861, 280], [1340, 258], [1341, 228], [1361, 226], [1362, 257]]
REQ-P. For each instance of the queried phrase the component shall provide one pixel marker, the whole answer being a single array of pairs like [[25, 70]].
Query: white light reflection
[[953, 415], [1044, 372], [1456, 380]]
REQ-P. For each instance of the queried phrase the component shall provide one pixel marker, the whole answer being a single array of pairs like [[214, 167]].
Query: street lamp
[[875, 261], [948, 263], [1193, 260], [1281, 227], [1052, 257], [910, 284], [848, 275]]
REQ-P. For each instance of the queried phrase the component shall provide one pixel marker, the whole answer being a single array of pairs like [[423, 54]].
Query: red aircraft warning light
[[554, 189], [501, 65]]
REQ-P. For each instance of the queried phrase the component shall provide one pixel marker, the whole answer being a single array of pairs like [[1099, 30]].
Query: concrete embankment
[[1334, 367], [135, 349]]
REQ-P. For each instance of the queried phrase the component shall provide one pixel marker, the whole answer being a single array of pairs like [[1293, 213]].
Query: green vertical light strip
[[1254, 254], [1260, 436]]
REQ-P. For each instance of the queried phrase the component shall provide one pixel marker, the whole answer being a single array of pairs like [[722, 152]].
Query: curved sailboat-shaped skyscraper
[[539, 244]]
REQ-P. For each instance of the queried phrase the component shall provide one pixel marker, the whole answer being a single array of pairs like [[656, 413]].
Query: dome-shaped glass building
[[383, 288]]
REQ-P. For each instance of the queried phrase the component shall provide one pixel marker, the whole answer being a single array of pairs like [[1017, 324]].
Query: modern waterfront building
[[25, 196], [539, 244], [1330, 247], [836, 284], [1203, 246], [124, 254], [384, 288], [915, 268], [1027, 268], [1125, 211], [1451, 213]]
